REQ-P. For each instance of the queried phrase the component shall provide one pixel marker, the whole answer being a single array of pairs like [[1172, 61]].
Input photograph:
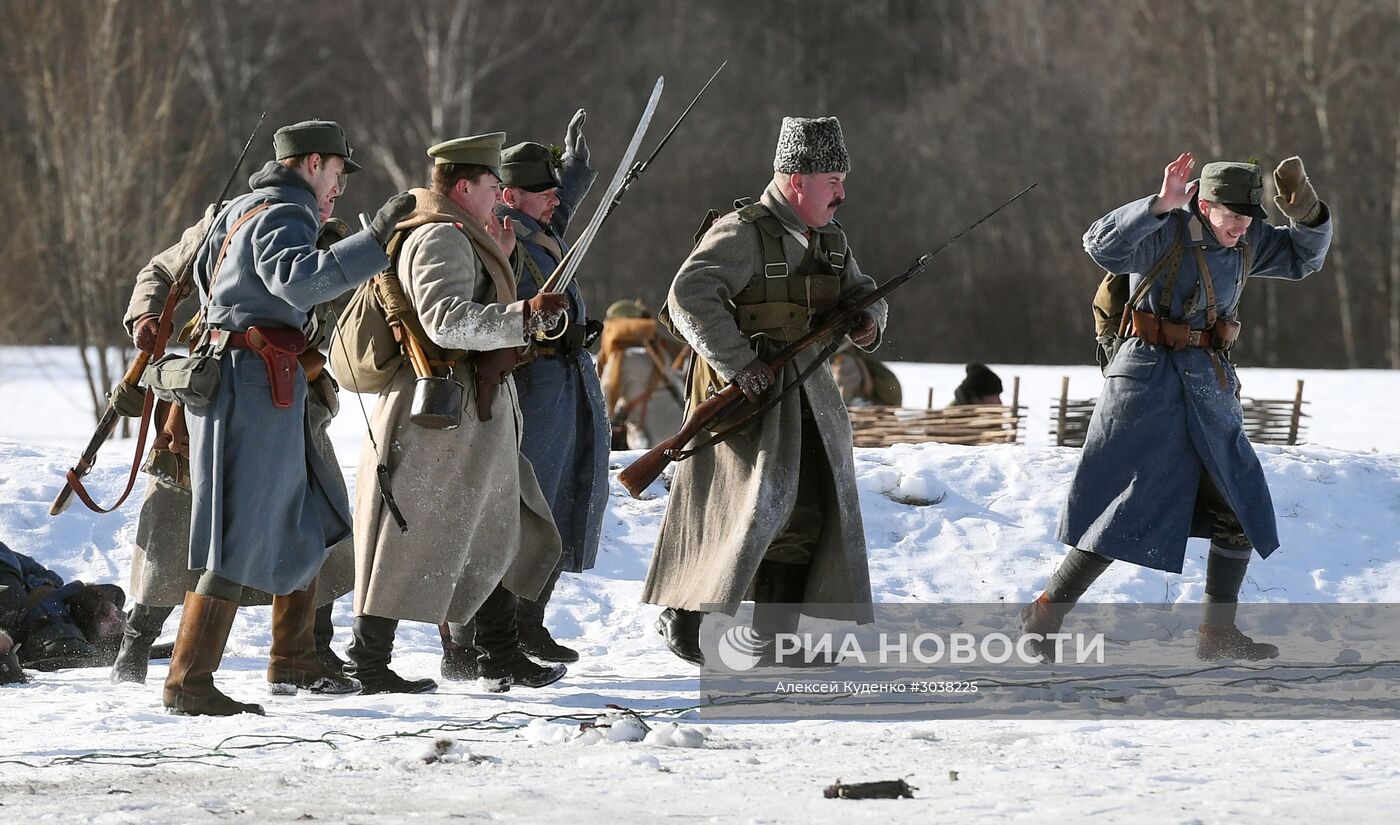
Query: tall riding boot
[[534, 636], [681, 630], [502, 661], [143, 626], [370, 651], [292, 662], [459, 656], [779, 590], [324, 632], [199, 647]]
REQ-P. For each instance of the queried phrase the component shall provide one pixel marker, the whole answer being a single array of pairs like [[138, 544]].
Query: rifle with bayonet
[[131, 380], [564, 272], [834, 326]]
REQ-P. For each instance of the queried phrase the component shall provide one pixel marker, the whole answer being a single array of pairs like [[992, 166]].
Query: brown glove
[[864, 334], [754, 379], [145, 331], [543, 311], [1296, 197]]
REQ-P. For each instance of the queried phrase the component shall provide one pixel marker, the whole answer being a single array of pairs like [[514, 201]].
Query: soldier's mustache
[[836, 202]]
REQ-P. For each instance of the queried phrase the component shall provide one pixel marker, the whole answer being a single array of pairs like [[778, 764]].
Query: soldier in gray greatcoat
[[266, 505], [160, 572], [772, 511], [1166, 455]]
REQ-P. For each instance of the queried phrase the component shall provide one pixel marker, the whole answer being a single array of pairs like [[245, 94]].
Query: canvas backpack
[[365, 353]]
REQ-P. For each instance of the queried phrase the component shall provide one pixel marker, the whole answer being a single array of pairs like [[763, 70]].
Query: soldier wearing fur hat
[[1166, 457], [772, 511], [160, 573], [566, 434], [479, 526], [266, 506]]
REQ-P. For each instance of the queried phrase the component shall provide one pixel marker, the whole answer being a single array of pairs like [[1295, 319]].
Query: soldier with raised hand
[[478, 523], [160, 572], [266, 505], [1166, 457], [561, 401], [773, 510]]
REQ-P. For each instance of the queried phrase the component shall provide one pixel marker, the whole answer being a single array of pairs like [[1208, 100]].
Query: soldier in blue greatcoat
[[1166, 456]]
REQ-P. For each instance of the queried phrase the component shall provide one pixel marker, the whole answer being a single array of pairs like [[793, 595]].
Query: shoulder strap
[[1170, 259], [527, 262], [1173, 255], [836, 246], [710, 217], [233, 230]]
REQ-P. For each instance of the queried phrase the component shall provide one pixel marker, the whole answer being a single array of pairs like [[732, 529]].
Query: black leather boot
[[370, 651], [779, 591], [502, 662], [143, 626], [681, 630], [535, 638], [323, 633], [459, 655]]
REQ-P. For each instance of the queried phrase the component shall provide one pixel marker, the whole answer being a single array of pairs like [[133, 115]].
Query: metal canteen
[[437, 403]]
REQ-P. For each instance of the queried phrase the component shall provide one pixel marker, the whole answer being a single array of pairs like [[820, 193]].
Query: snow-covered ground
[[520, 756]]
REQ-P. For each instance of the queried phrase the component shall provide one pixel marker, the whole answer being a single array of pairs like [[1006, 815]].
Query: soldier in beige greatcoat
[[476, 515]]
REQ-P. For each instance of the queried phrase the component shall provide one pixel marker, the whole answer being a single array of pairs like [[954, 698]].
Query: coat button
[[1186, 372]]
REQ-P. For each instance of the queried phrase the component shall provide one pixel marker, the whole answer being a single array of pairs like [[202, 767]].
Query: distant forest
[[122, 119]]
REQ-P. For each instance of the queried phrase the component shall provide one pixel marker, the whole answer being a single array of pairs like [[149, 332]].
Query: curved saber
[[563, 274]]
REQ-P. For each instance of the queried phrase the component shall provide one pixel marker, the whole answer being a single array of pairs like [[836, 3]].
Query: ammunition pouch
[[190, 380], [168, 468], [1177, 335], [569, 344]]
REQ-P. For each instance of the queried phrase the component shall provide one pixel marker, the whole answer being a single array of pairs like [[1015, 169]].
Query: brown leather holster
[[491, 368], [279, 348]]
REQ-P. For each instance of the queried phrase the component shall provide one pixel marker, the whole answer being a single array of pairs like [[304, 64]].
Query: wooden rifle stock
[[641, 473]]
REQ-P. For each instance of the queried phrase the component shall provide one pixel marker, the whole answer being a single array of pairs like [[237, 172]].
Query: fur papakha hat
[[811, 144]]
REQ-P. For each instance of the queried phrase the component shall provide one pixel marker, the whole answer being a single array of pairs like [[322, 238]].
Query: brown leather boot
[[293, 663], [1043, 617], [199, 647], [1219, 642]]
